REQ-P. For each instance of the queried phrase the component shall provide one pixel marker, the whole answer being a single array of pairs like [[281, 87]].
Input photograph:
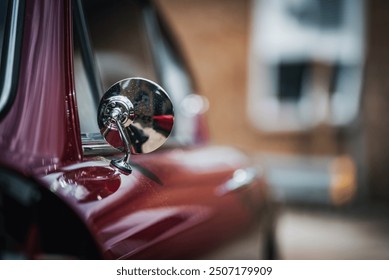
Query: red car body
[[175, 204]]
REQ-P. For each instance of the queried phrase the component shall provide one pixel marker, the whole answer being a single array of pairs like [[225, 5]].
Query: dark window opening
[[110, 45], [291, 77]]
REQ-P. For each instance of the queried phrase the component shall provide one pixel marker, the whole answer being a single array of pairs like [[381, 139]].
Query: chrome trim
[[93, 144], [241, 179]]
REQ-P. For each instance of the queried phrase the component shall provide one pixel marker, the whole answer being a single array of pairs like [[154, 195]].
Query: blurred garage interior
[[302, 85]]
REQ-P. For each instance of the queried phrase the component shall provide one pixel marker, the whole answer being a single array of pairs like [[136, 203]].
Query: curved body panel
[[155, 214], [177, 203]]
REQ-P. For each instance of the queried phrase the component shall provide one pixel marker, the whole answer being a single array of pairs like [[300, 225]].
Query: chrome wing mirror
[[135, 116]]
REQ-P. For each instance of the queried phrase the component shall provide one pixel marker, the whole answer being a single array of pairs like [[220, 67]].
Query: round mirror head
[[143, 111]]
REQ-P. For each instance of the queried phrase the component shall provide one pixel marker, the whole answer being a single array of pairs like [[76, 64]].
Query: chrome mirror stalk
[[135, 116]]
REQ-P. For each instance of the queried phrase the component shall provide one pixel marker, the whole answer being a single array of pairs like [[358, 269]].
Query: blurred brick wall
[[215, 38]]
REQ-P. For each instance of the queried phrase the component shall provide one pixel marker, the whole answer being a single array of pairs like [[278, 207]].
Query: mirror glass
[[143, 111]]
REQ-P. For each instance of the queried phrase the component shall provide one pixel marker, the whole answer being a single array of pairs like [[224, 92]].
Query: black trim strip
[[87, 55], [11, 55]]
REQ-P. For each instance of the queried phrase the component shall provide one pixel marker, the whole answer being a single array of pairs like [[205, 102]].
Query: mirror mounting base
[[122, 165], [138, 111]]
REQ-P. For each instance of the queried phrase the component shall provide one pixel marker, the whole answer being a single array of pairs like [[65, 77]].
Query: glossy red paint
[[169, 207], [95, 182], [42, 127]]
